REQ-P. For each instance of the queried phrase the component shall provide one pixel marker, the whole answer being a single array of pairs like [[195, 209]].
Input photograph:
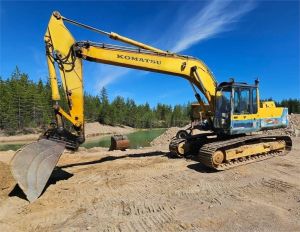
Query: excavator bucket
[[33, 164]]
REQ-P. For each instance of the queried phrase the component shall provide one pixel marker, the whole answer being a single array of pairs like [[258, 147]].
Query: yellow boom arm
[[62, 49]]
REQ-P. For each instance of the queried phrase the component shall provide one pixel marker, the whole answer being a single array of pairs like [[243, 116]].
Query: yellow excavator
[[231, 112]]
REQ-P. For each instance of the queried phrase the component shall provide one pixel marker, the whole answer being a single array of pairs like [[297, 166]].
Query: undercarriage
[[221, 153]]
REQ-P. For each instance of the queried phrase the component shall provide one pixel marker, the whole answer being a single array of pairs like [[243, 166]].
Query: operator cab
[[235, 102]]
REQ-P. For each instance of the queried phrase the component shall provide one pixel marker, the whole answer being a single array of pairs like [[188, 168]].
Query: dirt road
[[144, 190]]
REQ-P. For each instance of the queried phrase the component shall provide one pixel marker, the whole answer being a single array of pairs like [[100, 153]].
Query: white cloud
[[107, 74], [40, 70], [213, 18], [216, 17]]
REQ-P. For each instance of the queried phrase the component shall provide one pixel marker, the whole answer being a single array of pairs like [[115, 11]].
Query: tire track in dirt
[[113, 192], [149, 192]]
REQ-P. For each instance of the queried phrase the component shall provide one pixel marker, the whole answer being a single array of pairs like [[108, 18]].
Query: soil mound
[[7, 181], [166, 137]]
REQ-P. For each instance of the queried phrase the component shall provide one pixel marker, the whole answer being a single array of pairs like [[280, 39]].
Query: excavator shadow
[[17, 192], [111, 158], [198, 167], [57, 175]]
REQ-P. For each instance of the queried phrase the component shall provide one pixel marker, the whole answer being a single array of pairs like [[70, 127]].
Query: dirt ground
[[144, 190]]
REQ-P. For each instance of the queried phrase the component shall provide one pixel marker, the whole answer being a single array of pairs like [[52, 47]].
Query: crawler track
[[207, 147], [206, 152]]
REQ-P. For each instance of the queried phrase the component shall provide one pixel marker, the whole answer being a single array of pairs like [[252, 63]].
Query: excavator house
[[231, 112]]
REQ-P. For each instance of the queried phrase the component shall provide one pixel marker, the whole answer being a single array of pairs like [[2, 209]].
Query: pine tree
[[104, 109], [26, 104]]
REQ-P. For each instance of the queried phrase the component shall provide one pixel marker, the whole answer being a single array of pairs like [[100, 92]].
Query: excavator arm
[[67, 54], [32, 165]]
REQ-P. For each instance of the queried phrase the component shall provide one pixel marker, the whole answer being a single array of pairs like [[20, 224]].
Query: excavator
[[232, 115]]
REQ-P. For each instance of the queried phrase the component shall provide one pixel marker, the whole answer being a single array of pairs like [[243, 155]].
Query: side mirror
[[224, 115]]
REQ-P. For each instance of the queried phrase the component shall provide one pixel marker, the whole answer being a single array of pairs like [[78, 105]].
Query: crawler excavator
[[231, 111]]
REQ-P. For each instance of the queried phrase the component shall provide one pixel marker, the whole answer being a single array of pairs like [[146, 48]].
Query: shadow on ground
[[197, 167], [201, 168], [111, 158], [57, 175]]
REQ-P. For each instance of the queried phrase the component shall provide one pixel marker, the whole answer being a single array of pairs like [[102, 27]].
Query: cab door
[[222, 116]]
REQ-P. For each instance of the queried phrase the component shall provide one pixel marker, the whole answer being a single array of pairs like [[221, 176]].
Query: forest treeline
[[26, 104]]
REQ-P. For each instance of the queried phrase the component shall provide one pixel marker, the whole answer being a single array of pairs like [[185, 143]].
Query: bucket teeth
[[33, 164]]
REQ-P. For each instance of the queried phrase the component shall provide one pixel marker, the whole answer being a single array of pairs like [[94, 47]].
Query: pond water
[[141, 138]]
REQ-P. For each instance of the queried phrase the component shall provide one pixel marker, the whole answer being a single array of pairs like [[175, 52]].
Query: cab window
[[242, 101], [254, 101], [223, 101]]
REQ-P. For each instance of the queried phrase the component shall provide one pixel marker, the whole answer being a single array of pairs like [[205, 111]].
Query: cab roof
[[235, 84]]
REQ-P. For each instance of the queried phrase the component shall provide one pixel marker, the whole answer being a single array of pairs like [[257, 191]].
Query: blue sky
[[240, 39]]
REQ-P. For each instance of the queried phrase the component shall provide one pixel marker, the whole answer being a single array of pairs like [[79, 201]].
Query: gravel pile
[[166, 137], [292, 129]]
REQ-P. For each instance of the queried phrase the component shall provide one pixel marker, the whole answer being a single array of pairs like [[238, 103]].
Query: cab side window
[[242, 101], [245, 101], [236, 101], [254, 101]]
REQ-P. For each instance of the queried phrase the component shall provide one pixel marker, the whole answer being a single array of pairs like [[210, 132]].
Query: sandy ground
[[19, 138], [144, 190], [91, 130], [96, 129]]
